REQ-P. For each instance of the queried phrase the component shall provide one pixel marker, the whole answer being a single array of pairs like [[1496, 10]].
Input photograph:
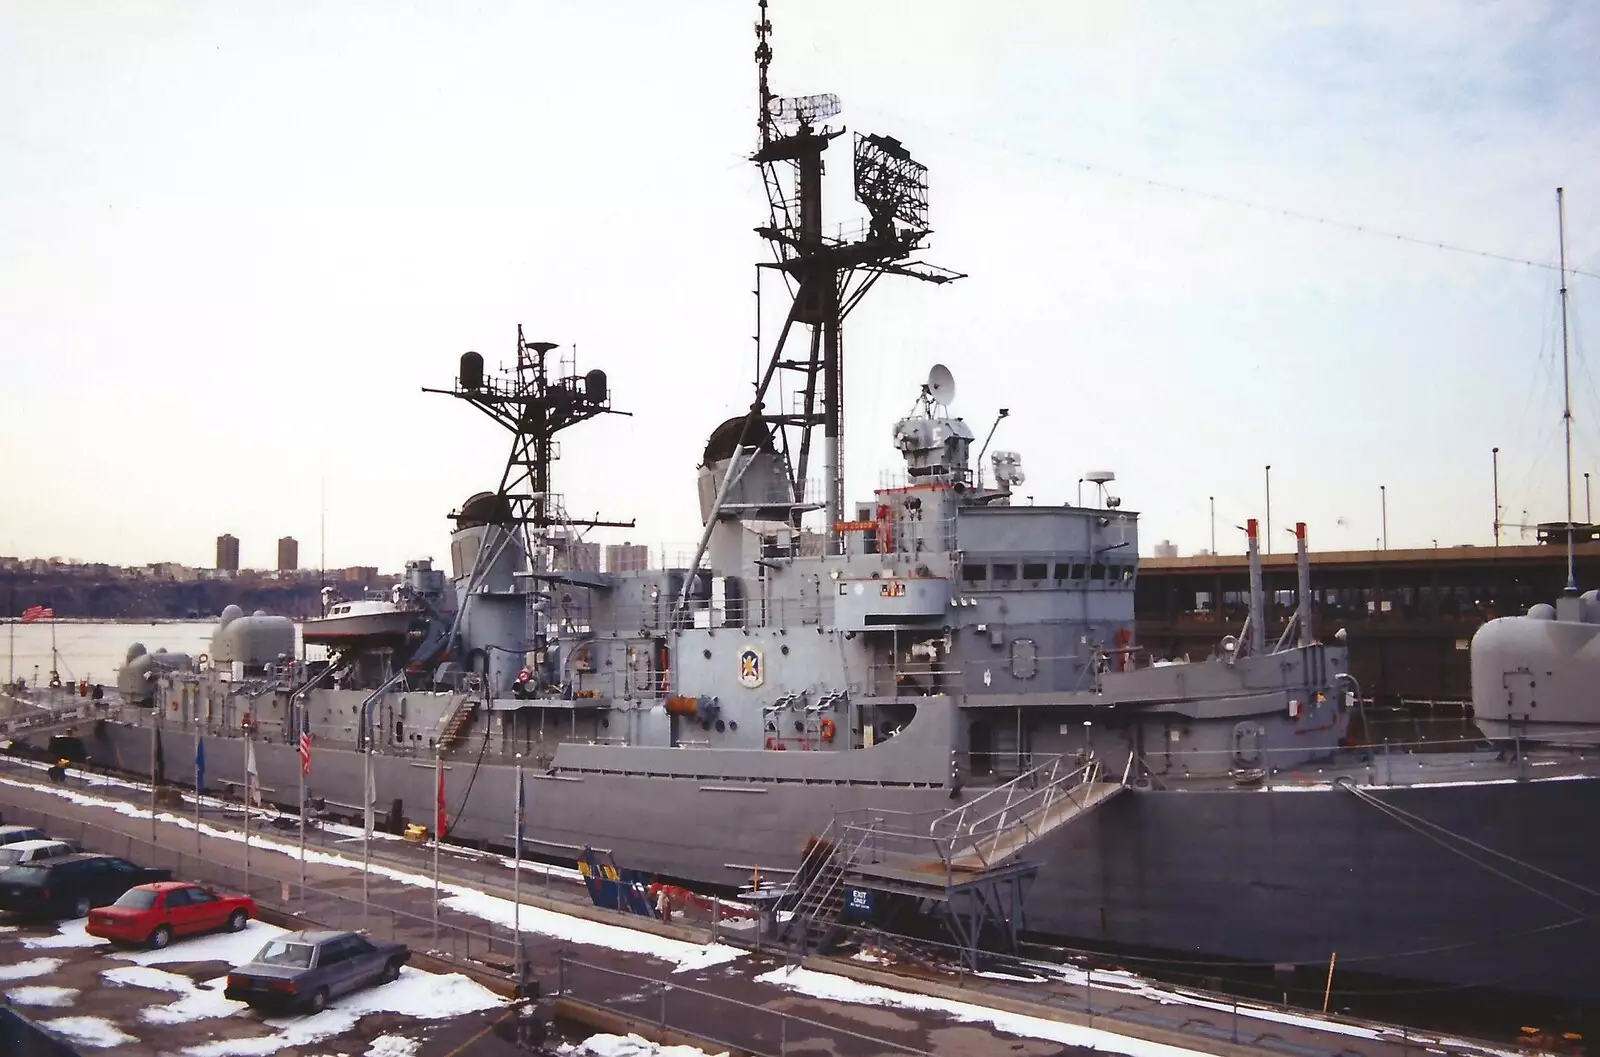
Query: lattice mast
[[534, 407], [826, 276]]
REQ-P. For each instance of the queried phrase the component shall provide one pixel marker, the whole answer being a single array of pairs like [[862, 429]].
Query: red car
[[153, 914]]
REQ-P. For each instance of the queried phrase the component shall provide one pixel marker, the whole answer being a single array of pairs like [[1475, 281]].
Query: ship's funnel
[[760, 491]]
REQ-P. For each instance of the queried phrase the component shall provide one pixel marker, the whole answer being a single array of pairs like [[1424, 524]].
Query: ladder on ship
[[964, 865], [815, 912], [459, 718]]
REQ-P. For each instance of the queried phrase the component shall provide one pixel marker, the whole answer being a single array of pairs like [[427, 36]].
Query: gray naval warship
[[944, 669]]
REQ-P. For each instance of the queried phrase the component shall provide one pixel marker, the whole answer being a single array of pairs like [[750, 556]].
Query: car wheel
[[160, 938], [318, 1001], [238, 920], [80, 907], [391, 972]]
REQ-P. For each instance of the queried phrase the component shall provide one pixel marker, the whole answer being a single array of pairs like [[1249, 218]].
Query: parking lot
[[140, 1002]]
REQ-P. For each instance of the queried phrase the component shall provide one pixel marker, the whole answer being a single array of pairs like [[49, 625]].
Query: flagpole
[[516, 881], [304, 731], [366, 845], [249, 781], [438, 834], [155, 733], [199, 785]]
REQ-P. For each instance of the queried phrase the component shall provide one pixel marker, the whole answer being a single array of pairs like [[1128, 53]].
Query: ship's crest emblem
[[752, 670]]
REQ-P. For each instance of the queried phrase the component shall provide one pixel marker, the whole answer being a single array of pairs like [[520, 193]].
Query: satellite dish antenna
[[941, 385]]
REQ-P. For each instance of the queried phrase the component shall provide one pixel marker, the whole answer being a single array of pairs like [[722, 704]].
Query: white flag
[[372, 795], [252, 780]]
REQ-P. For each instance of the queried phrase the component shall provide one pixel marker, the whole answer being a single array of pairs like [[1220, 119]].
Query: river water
[[94, 650]]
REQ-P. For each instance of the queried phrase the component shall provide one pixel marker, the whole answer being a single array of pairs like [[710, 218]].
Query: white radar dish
[[941, 385]]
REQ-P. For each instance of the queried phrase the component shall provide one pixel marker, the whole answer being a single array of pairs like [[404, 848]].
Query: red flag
[[33, 613], [439, 818]]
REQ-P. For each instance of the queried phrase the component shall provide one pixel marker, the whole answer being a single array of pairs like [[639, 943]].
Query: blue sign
[[858, 901]]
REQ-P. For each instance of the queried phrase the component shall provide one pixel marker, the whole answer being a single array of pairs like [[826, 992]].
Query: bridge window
[[1005, 574], [1097, 571], [1035, 571], [1079, 570], [974, 574]]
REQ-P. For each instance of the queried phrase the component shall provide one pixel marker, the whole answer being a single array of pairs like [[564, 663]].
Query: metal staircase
[[815, 912], [457, 722], [1004, 821], [965, 866]]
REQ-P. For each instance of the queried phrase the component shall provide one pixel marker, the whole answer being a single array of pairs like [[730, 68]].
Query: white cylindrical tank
[[1535, 671]]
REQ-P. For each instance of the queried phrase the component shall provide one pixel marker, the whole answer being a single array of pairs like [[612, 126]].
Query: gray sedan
[[306, 969]]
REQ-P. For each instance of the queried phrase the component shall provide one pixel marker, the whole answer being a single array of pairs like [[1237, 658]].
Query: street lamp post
[[1383, 496], [1497, 497], [1269, 508], [1213, 524]]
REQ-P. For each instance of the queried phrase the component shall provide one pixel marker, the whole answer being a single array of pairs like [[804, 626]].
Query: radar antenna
[[827, 275]]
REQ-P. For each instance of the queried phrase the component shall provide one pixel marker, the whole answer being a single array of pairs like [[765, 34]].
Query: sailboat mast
[[1566, 378]]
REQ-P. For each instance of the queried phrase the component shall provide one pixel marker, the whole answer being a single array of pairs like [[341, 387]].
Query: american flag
[[33, 613], [305, 748]]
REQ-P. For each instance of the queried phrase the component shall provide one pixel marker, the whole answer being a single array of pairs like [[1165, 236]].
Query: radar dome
[[1542, 611]]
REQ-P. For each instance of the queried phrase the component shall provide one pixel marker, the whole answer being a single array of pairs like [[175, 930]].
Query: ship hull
[[1265, 877]]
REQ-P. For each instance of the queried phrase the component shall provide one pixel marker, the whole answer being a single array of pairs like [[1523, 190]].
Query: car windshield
[[296, 955], [9, 857], [136, 899]]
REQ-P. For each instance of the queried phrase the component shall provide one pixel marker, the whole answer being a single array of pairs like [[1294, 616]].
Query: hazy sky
[[237, 239]]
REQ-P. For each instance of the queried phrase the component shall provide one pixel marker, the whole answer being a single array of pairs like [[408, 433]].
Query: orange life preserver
[[1124, 656], [827, 729]]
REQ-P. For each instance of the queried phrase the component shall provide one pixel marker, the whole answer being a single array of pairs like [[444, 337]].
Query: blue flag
[[199, 766]]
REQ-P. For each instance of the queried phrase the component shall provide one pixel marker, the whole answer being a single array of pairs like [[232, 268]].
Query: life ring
[[205, 658], [827, 729]]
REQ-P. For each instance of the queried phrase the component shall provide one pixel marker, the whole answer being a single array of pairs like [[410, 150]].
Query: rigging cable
[[1240, 203], [1397, 814]]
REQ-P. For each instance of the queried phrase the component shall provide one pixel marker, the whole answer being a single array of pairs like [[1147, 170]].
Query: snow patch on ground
[[235, 948], [393, 1046], [686, 955], [201, 1002], [35, 967], [841, 989], [88, 1031], [628, 1046], [424, 995], [42, 996], [153, 979], [68, 934]]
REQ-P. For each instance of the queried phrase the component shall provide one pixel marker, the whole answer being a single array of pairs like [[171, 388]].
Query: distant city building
[[355, 574], [227, 553], [627, 557], [574, 555], [288, 554], [1166, 549]]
